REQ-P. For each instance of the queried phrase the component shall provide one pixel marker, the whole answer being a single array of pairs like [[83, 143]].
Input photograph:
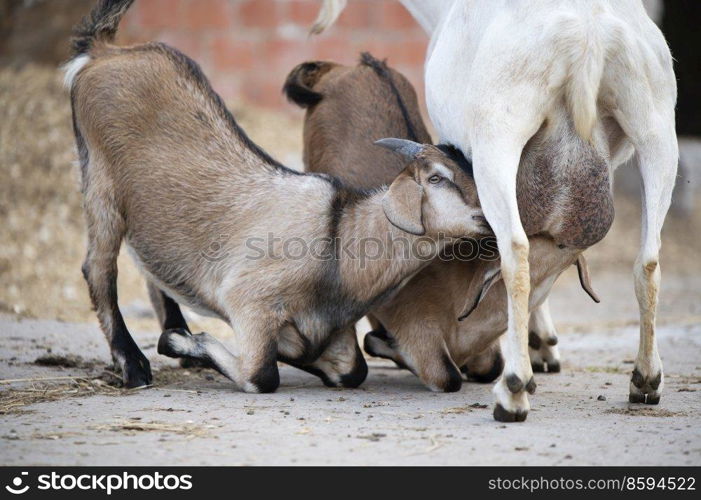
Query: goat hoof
[[538, 367], [652, 399], [137, 372], [501, 414], [167, 342], [636, 398], [265, 380], [553, 367], [359, 373], [645, 389]]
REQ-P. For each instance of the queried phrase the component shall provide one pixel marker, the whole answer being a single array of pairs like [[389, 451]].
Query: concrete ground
[[191, 417]]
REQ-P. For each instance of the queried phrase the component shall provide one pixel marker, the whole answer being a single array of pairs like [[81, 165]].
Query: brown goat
[[419, 327], [208, 216]]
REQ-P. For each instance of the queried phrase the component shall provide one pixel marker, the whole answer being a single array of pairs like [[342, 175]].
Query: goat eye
[[435, 179]]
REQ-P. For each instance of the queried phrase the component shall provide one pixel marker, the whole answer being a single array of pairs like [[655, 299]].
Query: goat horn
[[402, 146]]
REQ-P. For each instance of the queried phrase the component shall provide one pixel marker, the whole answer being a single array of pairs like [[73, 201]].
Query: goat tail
[[299, 84], [329, 12], [100, 25], [582, 91]]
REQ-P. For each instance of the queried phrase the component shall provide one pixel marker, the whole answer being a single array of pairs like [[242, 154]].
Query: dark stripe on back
[[383, 71]]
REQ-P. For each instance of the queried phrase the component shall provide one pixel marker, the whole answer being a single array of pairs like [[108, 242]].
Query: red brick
[[394, 16], [335, 48], [282, 54], [259, 13], [303, 12], [263, 89], [359, 14], [232, 54], [228, 86], [203, 14], [157, 14], [406, 52], [189, 44]]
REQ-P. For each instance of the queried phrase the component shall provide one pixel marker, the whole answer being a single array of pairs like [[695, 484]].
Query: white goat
[[499, 73]]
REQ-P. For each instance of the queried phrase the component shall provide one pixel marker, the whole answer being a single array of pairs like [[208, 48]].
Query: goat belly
[[180, 292]]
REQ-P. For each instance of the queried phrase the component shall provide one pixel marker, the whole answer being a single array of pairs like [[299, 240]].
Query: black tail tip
[[299, 84]]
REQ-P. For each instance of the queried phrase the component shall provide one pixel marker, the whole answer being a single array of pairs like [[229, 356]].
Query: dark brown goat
[[347, 108]]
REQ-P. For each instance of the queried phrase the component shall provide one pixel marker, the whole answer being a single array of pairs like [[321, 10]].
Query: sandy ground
[[579, 417]]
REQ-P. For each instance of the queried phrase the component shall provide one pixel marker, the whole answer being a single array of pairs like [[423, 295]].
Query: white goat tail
[[582, 91], [72, 68], [330, 10]]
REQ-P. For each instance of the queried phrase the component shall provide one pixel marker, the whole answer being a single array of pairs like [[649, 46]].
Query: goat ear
[[481, 283], [583, 271], [402, 205]]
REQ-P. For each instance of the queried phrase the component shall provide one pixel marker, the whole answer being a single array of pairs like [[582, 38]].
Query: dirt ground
[[189, 417], [70, 413]]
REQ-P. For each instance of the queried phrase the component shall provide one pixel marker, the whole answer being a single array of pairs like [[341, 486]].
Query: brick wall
[[247, 47]]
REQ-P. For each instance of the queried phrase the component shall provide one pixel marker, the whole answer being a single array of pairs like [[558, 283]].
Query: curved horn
[[402, 146]]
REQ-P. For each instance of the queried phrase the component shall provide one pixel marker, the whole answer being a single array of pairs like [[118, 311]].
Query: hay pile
[[13, 400]]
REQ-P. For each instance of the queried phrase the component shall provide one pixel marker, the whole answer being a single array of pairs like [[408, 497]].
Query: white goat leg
[[499, 204], [657, 158], [542, 340]]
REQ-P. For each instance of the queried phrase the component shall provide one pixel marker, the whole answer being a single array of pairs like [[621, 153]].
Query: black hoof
[[267, 379], [652, 400], [359, 373], [554, 367], [502, 415], [164, 342], [538, 367], [649, 399], [648, 388], [636, 398], [137, 372]]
